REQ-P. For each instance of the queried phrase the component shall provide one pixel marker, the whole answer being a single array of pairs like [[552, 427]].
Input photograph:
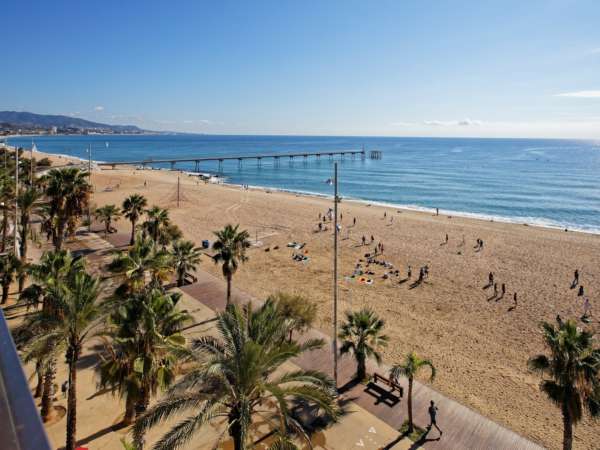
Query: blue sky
[[400, 68]]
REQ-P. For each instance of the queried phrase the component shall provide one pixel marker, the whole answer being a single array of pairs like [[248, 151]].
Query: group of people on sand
[[580, 293], [498, 294]]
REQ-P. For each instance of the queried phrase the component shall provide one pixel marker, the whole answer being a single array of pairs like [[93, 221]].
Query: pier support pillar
[[220, 166]]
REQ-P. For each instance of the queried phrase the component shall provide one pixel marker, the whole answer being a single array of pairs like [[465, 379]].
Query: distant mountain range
[[17, 119]]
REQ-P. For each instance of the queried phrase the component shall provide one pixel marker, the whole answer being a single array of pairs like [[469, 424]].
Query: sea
[[545, 182]]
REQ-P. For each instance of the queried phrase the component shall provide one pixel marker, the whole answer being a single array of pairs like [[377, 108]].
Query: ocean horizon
[[544, 182]]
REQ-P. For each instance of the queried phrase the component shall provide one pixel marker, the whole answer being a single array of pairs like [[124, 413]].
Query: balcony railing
[[20, 424]]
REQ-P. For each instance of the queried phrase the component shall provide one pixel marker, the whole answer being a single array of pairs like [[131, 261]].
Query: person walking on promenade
[[433, 416]]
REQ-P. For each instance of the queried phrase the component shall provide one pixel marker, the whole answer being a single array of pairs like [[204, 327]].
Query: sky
[[390, 68]]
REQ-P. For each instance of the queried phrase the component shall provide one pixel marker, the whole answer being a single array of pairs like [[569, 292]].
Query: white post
[[335, 274]]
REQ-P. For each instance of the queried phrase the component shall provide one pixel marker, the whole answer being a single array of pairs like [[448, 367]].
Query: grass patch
[[417, 433]]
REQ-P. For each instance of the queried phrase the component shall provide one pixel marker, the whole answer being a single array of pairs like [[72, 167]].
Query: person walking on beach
[[503, 289], [515, 299], [432, 417], [384, 214], [372, 239], [586, 308], [495, 289], [437, 211], [354, 222], [409, 272], [446, 238], [491, 278], [575, 278], [580, 293], [364, 240], [341, 217]]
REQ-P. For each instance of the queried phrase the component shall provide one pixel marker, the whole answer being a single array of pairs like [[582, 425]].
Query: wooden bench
[[395, 386]]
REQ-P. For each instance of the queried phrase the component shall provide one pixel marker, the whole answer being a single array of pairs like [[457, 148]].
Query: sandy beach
[[478, 343]]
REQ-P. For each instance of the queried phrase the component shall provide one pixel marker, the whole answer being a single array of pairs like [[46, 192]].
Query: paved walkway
[[462, 427]]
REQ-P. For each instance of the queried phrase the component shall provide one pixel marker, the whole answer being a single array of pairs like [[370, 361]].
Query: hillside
[[17, 119]]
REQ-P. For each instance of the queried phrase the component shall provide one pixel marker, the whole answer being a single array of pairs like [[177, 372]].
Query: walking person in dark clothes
[[495, 289], [491, 278], [354, 222], [575, 278], [409, 272], [432, 417], [503, 289], [580, 293], [515, 299]]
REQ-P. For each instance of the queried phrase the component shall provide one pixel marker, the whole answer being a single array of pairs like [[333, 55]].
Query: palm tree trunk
[[59, 236], [228, 289], [72, 403], [5, 288], [46, 410], [411, 426], [4, 228], [40, 380], [23, 245], [567, 429], [361, 368], [235, 431], [132, 240], [129, 410], [142, 405]]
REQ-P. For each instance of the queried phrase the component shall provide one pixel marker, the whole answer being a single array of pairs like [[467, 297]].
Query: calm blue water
[[546, 182]]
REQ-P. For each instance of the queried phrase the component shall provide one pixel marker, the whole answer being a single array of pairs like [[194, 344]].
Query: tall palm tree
[[7, 198], [142, 347], [141, 260], [235, 375], [54, 270], [185, 258], [362, 336], [157, 219], [231, 246], [133, 208], [29, 202], [74, 321], [107, 214], [300, 311], [68, 192], [9, 264], [573, 368], [409, 368]]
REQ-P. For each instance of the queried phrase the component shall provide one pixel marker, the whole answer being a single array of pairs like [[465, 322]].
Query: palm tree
[[297, 309], [9, 264], [157, 220], [411, 366], [235, 375], [29, 203], [231, 246], [107, 214], [143, 344], [68, 193], [573, 367], [7, 198], [133, 207], [141, 260], [361, 336], [55, 269], [76, 317], [185, 258]]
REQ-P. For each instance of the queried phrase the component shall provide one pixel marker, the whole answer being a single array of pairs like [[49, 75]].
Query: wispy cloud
[[580, 94], [99, 108], [440, 123]]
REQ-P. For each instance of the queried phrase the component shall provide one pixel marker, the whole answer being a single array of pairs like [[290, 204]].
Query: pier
[[276, 157]]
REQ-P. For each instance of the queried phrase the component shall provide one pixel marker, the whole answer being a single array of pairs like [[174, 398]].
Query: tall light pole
[[16, 199], [89, 212], [335, 273]]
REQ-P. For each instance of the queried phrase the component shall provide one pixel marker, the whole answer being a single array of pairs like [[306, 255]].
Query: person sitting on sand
[[580, 293]]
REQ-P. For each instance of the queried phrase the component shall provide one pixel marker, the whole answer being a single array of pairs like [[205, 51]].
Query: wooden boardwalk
[[462, 427]]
